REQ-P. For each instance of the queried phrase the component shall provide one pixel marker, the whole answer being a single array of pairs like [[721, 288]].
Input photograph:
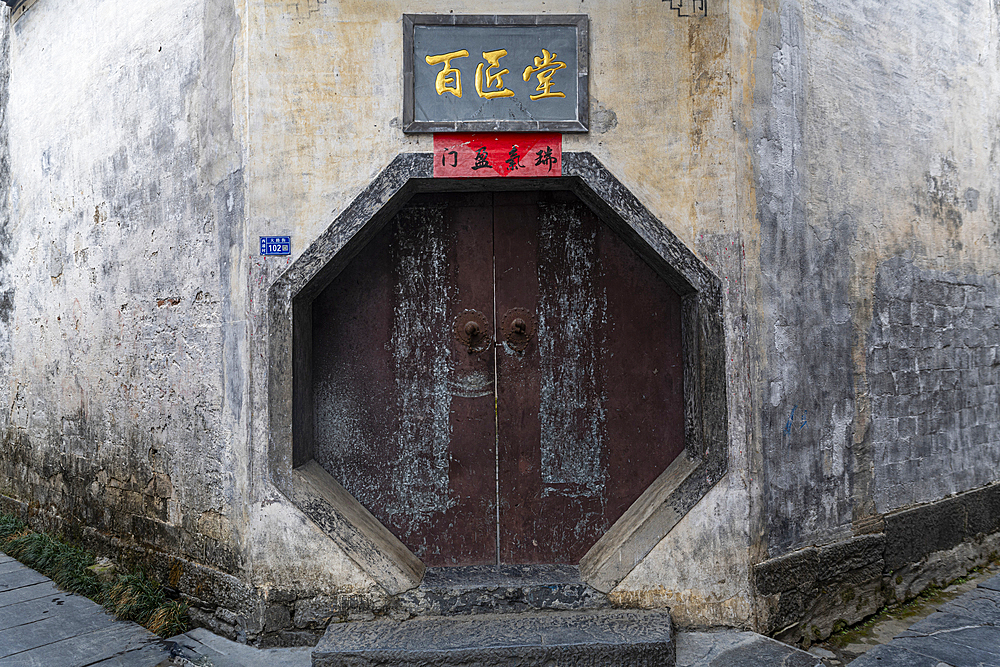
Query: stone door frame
[[367, 542]]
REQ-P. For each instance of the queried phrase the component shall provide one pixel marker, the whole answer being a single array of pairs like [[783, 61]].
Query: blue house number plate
[[275, 245]]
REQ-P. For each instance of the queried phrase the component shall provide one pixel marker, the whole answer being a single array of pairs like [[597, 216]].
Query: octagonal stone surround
[[366, 541]]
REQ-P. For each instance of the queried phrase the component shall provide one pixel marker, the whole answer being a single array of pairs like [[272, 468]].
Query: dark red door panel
[[642, 371], [515, 222], [591, 411], [404, 411], [497, 377]]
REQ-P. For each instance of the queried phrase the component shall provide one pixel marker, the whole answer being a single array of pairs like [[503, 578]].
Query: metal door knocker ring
[[472, 331], [519, 326]]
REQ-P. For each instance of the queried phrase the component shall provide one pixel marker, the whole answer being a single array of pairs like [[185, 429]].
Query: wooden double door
[[497, 377]]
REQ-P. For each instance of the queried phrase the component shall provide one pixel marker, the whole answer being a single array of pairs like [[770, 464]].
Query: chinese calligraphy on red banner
[[481, 155]]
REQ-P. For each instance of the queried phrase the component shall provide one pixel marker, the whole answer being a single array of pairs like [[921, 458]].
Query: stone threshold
[[448, 591], [581, 638]]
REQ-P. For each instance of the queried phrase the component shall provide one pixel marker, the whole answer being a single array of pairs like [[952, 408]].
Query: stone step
[[500, 590], [580, 638], [203, 648], [737, 648]]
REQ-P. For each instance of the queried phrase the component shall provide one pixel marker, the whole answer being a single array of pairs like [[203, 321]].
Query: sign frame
[[581, 22], [275, 246]]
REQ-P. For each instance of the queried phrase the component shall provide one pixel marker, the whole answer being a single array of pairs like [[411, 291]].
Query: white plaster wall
[[124, 374], [325, 100]]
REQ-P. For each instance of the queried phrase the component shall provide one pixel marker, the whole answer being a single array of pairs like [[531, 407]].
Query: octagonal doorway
[[497, 377]]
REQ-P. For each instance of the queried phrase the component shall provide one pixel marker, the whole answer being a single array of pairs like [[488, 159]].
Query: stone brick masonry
[[933, 369]]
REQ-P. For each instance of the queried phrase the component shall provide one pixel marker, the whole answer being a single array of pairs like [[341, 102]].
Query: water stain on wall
[[942, 202], [572, 413], [420, 357]]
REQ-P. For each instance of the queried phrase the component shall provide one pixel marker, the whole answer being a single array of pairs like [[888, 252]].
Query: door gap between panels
[[496, 380]]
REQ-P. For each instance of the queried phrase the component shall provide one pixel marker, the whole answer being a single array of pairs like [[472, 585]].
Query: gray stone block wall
[[809, 593], [933, 368]]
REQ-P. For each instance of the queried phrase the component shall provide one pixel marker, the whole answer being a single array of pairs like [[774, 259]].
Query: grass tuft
[[134, 597], [9, 525], [64, 563], [169, 619], [131, 596]]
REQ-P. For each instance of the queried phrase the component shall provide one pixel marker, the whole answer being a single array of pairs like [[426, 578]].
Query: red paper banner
[[511, 155]]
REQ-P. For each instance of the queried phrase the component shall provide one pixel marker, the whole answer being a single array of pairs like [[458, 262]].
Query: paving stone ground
[[205, 649], [733, 648], [962, 633], [848, 647], [42, 626]]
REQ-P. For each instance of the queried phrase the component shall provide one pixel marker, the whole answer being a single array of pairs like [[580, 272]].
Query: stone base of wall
[[803, 596], [220, 602], [808, 594]]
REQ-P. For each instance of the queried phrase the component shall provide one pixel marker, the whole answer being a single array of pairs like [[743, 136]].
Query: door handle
[[472, 331], [519, 326]]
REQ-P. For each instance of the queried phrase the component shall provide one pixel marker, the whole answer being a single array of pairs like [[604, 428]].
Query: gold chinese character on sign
[[493, 58], [545, 67], [444, 78]]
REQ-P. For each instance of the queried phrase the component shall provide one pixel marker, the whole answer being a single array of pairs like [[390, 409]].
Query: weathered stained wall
[[6, 237], [124, 374], [874, 160], [877, 126], [805, 278], [324, 80], [127, 368], [127, 198], [833, 163]]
